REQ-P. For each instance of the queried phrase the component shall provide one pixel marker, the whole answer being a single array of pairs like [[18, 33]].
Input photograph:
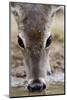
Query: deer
[[34, 38]]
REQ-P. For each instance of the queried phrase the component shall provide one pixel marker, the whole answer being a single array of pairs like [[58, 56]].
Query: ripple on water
[[57, 77], [56, 86]]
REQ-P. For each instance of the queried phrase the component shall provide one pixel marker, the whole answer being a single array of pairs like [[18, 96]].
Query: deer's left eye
[[20, 42], [49, 40]]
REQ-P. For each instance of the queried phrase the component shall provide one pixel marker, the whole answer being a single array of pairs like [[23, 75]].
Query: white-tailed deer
[[34, 38]]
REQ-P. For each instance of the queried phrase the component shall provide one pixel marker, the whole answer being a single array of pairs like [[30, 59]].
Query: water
[[55, 86], [57, 77]]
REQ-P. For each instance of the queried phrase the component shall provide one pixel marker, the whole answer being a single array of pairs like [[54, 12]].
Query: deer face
[[34, 39]]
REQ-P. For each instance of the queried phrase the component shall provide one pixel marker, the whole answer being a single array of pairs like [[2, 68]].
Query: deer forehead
[[45, 38]]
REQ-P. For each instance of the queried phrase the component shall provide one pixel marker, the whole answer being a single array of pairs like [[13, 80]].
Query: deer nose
[[36, 85]]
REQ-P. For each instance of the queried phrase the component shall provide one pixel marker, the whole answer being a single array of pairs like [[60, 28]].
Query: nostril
[[29, 88], [35, 87], [44, 86]]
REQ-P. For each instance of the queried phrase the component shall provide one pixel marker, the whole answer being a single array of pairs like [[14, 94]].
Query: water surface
[[55, 86]]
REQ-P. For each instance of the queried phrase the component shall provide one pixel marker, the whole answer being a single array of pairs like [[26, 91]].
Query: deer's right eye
[[20, 42]]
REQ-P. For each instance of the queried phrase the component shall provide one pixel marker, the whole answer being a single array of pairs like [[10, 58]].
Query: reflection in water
[[56, 86]]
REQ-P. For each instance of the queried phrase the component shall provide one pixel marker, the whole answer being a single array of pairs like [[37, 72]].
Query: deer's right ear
[[12, 4], [14, 8]]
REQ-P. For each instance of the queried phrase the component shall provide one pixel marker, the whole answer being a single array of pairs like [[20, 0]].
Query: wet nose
[[36, 85]]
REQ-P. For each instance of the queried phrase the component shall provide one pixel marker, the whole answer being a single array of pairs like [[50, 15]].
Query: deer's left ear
[[56, 8]]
